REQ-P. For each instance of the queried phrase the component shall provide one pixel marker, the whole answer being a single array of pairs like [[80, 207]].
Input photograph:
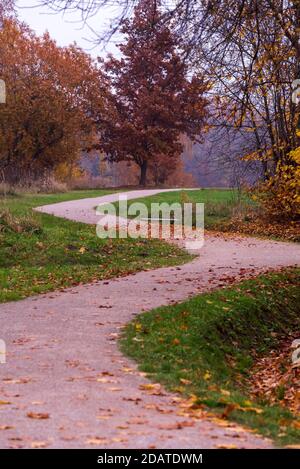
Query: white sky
[[66, 28]]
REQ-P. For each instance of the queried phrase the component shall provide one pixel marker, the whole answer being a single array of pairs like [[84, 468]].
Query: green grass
[[212, 340], [226, 210], [40, 253], [220, 204], [19, 203]]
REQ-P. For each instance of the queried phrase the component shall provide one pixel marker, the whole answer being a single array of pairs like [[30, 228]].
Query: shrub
[[281, 194]]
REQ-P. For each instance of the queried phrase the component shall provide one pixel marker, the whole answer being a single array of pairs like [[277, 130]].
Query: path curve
[[63, 359]]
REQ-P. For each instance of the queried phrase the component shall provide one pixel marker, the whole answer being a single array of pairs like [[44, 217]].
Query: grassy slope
[[219, 203], [225, 211], [65, 253], [212, 340]]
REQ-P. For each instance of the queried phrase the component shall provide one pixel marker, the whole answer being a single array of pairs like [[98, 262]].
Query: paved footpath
[[66, 384]]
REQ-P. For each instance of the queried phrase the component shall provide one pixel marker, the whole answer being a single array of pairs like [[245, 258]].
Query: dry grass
[[10, 223], [51, 186]]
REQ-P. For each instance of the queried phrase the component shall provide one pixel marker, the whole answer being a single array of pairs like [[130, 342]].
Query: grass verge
[[219, 203], [206, 346], [228, 211], [41, 253]]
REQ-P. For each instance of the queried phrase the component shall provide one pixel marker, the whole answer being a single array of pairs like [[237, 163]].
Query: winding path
[[63, 359]]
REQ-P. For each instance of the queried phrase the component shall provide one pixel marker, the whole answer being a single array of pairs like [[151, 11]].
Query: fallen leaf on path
[[16, 381], [137, 421], [226, 446], [119, 440], [106, 380], [136, 400], [159, 409], [39, 444], [38, 415], [97, 441], [154, 389], [149, 387], [177, 425]]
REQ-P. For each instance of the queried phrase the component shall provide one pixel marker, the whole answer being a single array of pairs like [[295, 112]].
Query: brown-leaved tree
[[154, 98], [51, 95]]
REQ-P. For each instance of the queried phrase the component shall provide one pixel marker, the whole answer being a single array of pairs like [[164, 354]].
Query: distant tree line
[[243, 54]]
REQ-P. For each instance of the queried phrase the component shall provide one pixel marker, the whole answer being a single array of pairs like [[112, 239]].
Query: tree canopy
[[51, 91]]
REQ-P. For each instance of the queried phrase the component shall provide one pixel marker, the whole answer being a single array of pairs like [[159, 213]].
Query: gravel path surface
[[66, 384]]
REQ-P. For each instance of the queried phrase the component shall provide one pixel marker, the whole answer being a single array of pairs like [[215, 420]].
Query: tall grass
[[10, 223], [51, 186]]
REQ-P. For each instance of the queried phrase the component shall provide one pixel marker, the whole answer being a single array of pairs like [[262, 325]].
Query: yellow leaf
[[39, 444], [225, 392], [154, 389], [248, 403], [185, 381], [149, 387], [226, 446], [251, 409]]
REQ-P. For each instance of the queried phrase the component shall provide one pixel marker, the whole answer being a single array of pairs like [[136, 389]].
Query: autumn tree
[[251, 51], [51, 92], [153, 97]]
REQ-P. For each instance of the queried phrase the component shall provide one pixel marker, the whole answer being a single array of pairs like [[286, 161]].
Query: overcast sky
[[66, 28]]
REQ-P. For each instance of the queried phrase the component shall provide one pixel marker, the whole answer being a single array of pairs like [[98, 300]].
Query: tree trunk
[[143, 176]]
